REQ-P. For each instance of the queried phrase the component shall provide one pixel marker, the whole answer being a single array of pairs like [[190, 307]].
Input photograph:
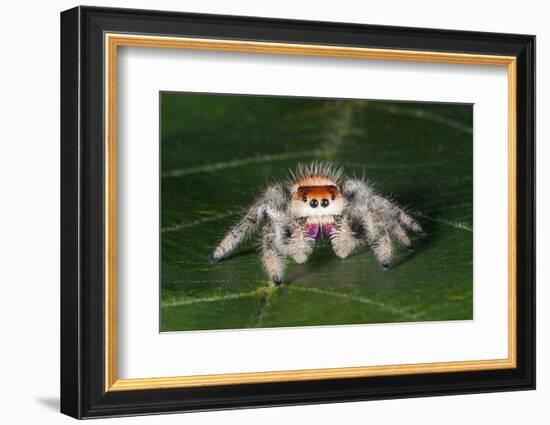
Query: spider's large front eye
[[314, 203], [324, 203], [304, 198]]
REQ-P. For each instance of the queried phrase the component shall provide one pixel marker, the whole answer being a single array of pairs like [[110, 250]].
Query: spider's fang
[[329, 230], [312, 230]]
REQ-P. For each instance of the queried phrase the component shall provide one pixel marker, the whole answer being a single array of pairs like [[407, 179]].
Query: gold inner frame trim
[[113, 41]]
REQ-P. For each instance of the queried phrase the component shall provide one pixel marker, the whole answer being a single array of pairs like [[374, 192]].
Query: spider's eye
[[314, 203], [304, 198], [333, 197], [324, 203]]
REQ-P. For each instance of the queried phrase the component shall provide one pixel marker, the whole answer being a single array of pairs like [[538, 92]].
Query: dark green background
[[218, 152]]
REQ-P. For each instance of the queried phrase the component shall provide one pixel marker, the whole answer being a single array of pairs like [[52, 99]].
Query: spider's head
[[315, 190], [310, 201]]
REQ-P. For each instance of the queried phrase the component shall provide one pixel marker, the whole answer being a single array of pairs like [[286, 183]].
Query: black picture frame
[[83, 392]]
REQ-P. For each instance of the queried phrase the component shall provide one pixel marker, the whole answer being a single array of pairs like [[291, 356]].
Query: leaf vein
[[179, 226], [456, 224], [214, 298], [209, 168], [360, 299]]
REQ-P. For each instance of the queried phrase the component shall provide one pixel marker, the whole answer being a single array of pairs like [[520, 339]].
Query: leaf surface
[[219, 152]]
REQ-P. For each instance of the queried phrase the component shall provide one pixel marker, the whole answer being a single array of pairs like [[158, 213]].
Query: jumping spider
[[319, 202]]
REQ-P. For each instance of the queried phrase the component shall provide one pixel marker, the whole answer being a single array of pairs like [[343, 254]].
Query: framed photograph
[[261, 212]]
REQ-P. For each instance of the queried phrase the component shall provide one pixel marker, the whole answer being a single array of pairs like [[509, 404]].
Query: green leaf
[[219, 152]]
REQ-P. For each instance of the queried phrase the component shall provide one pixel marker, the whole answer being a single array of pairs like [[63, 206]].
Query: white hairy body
[[319, 203]]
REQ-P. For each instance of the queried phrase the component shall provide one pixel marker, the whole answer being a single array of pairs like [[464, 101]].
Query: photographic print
[[291, 211], [318, 195]]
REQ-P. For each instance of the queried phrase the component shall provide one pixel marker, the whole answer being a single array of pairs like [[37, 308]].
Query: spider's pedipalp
[[344, 240], [300, 245]]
